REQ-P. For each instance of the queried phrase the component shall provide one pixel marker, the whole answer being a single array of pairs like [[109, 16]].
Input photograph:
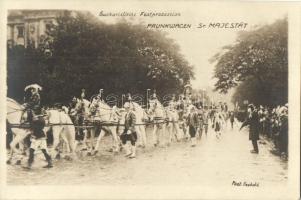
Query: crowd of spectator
[[273, 124]]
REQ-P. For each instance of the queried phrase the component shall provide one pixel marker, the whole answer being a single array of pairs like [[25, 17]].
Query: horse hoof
[[18, 162], [8, 162], [68, 158], [26, 168], [89, 154], [58, 157], [95, 152]]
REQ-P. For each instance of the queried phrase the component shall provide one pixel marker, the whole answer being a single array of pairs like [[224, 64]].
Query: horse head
[[80, 107], [152, 106], [99, 110], [156, 109]]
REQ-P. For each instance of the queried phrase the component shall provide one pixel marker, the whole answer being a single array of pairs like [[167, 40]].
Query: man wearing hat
[[35, 117], [252, 121], [193, 124], [129, 134]]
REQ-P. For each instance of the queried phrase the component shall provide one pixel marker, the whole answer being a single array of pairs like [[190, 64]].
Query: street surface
[[212, 162]]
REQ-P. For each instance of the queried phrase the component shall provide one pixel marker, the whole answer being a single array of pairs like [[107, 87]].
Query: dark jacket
[[35, 116], [284, 127], [130, 121], [193, 120], [253, 123]]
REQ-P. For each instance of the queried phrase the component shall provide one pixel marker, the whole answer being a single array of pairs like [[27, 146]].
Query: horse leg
[[19, 137], [101, 134], [169, 128], [70, 136], [70, 148], [56, 141], [143, 135], [92, 137], [155, 137], [64, 137], [187, 132], [139, 139], [115, 140], [85, 143], [177, 131], [162, 129]]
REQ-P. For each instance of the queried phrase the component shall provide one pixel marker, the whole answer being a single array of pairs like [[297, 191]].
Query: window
[[20, 31], [48, 25]]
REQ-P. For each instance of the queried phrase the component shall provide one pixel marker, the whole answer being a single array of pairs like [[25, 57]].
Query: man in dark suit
[[129, 135], [193, 124], [253, 121]]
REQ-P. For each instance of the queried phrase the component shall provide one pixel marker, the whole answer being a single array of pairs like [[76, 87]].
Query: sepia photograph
[[191, 95]]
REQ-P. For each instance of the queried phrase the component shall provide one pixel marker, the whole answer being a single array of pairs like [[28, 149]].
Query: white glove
[[129, 132]]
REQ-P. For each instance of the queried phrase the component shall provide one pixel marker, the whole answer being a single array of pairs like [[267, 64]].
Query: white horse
[[62, 129], [20, 131], [102, 113], [173, 125], [14, 115], [167, 120]]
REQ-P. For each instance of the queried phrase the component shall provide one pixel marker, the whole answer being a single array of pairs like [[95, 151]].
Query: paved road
[[212, 162]]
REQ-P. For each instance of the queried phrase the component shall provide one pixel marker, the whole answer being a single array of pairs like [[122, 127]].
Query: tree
[[257, 63], [120, 58]]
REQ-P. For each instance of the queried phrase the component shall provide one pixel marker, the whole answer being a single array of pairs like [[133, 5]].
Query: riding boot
[[48, 159], [30, 159], [133, 155], [193, 142], [127, 149]]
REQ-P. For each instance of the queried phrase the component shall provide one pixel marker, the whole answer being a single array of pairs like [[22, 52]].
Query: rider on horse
[[35, 117]]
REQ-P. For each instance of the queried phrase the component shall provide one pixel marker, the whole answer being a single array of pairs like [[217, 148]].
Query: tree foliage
[[86, 53], [257, 63]]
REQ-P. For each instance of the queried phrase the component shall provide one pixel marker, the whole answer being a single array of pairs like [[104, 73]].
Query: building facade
[[29, 27]]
